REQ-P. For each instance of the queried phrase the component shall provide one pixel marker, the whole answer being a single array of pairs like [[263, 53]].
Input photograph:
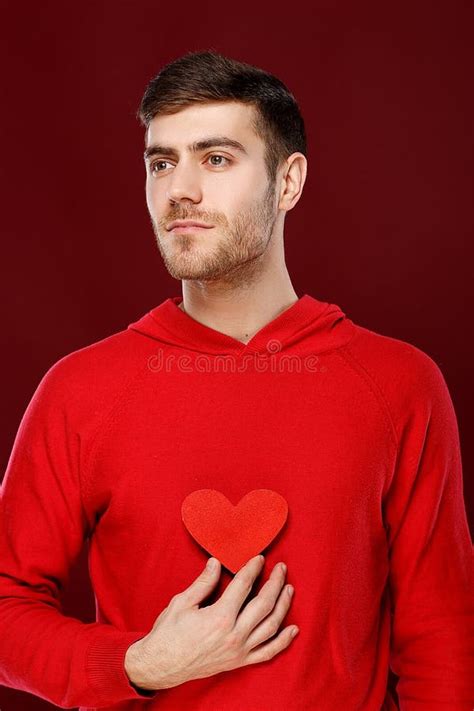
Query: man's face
[[218, 185]]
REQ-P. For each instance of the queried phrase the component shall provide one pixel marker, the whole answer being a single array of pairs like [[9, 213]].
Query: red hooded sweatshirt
[[355, 430]]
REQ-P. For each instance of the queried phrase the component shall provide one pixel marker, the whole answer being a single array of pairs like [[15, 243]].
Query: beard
[[233, 256]]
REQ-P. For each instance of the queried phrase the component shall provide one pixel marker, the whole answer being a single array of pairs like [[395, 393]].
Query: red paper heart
[[234, 534]]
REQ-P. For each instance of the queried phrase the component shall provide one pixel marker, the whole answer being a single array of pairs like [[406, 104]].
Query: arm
[[430, 555], [43, 526]]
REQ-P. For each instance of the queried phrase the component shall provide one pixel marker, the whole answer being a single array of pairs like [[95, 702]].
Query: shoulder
[[85, 382], [407, 378], [391, 357]]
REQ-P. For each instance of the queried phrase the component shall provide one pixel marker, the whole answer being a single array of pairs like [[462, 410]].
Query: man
[[238, 388]]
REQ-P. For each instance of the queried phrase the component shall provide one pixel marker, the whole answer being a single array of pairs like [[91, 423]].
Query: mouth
[[187, 225], [190, 228]]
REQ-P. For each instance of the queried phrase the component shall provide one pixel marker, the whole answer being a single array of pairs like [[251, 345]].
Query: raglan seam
[[102, 427], [379, 394], [376, 389]]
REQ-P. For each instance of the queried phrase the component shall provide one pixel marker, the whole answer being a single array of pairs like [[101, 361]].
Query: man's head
[[242, 182]]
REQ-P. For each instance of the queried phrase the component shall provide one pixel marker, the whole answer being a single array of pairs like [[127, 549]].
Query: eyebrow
[[196, 147]]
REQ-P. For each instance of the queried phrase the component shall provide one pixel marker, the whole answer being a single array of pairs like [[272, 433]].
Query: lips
[[188, 223]]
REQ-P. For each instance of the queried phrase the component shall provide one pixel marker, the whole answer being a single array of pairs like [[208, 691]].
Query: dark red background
[[384, 226]]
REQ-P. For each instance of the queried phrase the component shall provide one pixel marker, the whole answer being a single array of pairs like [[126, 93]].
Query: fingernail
[[262, 558], [290, 590], [211, 564], [294, 631]]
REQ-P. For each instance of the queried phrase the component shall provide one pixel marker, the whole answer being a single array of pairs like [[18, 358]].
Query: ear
[[292, 181]]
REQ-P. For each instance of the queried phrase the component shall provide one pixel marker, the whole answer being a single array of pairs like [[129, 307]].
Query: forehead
[[230, 118]]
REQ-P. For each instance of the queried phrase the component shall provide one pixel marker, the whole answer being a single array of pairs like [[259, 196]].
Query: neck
[[237, 313]]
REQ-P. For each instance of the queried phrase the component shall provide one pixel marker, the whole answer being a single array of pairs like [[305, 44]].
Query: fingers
[[270, 649], [263, 604], [202, 586], [239, 587], [271, 624]]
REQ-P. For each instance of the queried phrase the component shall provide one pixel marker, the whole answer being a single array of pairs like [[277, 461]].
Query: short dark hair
[[205, 76]]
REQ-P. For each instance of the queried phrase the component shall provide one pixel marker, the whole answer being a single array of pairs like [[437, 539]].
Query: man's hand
[[188, 642]]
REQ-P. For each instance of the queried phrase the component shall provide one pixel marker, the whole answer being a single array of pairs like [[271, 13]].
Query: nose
[[183, 185]]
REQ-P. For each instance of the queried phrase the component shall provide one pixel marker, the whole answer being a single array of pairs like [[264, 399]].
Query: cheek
[[237, 186], [229, 198], [148, 194], [152, 198]]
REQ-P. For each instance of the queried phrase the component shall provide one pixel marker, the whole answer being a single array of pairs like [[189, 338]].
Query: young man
[[238, 388]]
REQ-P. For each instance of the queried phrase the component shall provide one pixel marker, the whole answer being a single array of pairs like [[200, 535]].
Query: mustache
[[207, 219], [198, 218]]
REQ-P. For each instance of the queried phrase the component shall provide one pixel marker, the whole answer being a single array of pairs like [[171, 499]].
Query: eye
[[154, 166], [216, 155]]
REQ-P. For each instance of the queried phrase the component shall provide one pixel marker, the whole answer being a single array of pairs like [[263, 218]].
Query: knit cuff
[[105, 667]]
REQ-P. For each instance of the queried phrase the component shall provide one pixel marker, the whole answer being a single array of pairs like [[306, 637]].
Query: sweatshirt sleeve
[[430, 553], [43, 526]]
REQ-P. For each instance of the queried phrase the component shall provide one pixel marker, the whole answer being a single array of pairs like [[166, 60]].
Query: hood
[[307, 326]]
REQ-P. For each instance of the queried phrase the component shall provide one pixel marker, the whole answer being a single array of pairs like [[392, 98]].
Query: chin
[[192, 274]]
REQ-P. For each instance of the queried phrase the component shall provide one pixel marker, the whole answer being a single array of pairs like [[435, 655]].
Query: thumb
[[204, 583]]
